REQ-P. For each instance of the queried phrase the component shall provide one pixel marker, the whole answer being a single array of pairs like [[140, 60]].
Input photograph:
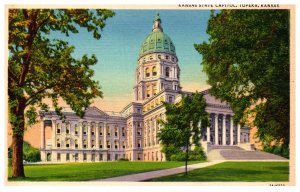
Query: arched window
[[147, 71], [108, 144], [93, 143], [167, 72], [76, 143], [84, 144], [100, 144], [154, 71]]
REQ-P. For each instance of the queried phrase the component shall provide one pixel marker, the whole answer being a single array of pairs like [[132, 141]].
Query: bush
[[9, 162], [123, 159], [30, 153], [277, 150], [195, 155]]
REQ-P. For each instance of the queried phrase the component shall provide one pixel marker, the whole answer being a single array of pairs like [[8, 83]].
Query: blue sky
[[117, 50]]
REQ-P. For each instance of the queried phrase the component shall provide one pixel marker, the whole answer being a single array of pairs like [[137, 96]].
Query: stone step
[[251, 155], [229, 147]]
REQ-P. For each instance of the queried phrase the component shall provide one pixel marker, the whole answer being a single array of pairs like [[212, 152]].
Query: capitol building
[[132, 133]]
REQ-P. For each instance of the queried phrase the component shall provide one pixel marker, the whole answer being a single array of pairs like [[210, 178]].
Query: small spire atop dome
[[157, 23]]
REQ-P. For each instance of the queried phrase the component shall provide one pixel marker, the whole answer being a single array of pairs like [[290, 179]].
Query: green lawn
[[90, 171], [235, 171]]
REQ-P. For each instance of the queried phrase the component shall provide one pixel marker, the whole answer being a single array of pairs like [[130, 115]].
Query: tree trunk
[[17, 156], [186, 157], [18, 126]]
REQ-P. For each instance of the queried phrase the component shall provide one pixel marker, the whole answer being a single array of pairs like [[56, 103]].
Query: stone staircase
[[237, 153]]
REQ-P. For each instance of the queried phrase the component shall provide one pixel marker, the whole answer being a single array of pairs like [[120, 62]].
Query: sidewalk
[[159, 173]]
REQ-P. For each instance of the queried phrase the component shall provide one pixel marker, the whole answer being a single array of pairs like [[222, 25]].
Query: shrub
[[123, 159], [195, 155], [30, 153], [277, 150]]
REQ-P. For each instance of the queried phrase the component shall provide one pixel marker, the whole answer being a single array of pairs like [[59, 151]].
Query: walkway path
[[159, 173]]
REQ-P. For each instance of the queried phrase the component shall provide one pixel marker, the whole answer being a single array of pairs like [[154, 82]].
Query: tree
[[247, 63], [181, 127], [41, 67]]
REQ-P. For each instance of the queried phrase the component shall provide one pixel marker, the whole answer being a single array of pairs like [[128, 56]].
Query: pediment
[[213, 100], [94, 111]]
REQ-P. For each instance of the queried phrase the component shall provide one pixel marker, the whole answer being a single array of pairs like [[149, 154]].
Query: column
[[88, 135], [80, 135], [53, 136], [238, 133], [224, 130], [43, 134], [104, 136], [231, 130], [216, 129], [133, 134], [96, 135], [208, 134]]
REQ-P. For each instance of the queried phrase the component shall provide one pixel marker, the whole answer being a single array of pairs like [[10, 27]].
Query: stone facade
[[132, 133]]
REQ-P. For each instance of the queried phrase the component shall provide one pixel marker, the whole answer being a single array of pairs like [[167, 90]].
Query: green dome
[[157, 40]]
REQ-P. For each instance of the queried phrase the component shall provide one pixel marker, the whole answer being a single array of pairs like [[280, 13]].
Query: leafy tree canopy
[[40, 67], [247, 63], [181, 127]]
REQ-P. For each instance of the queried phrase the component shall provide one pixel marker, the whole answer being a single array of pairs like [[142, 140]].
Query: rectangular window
[[170, 99], [76, 156], [58, 156], [76, 143], [58, 128], [139, 131], [116, 156], [84, 156], [76, 129], [100, 130], [84, 144], [123, 131], [84, 129], [108, 131], [100, 157], [68, 157], [108, 157]]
